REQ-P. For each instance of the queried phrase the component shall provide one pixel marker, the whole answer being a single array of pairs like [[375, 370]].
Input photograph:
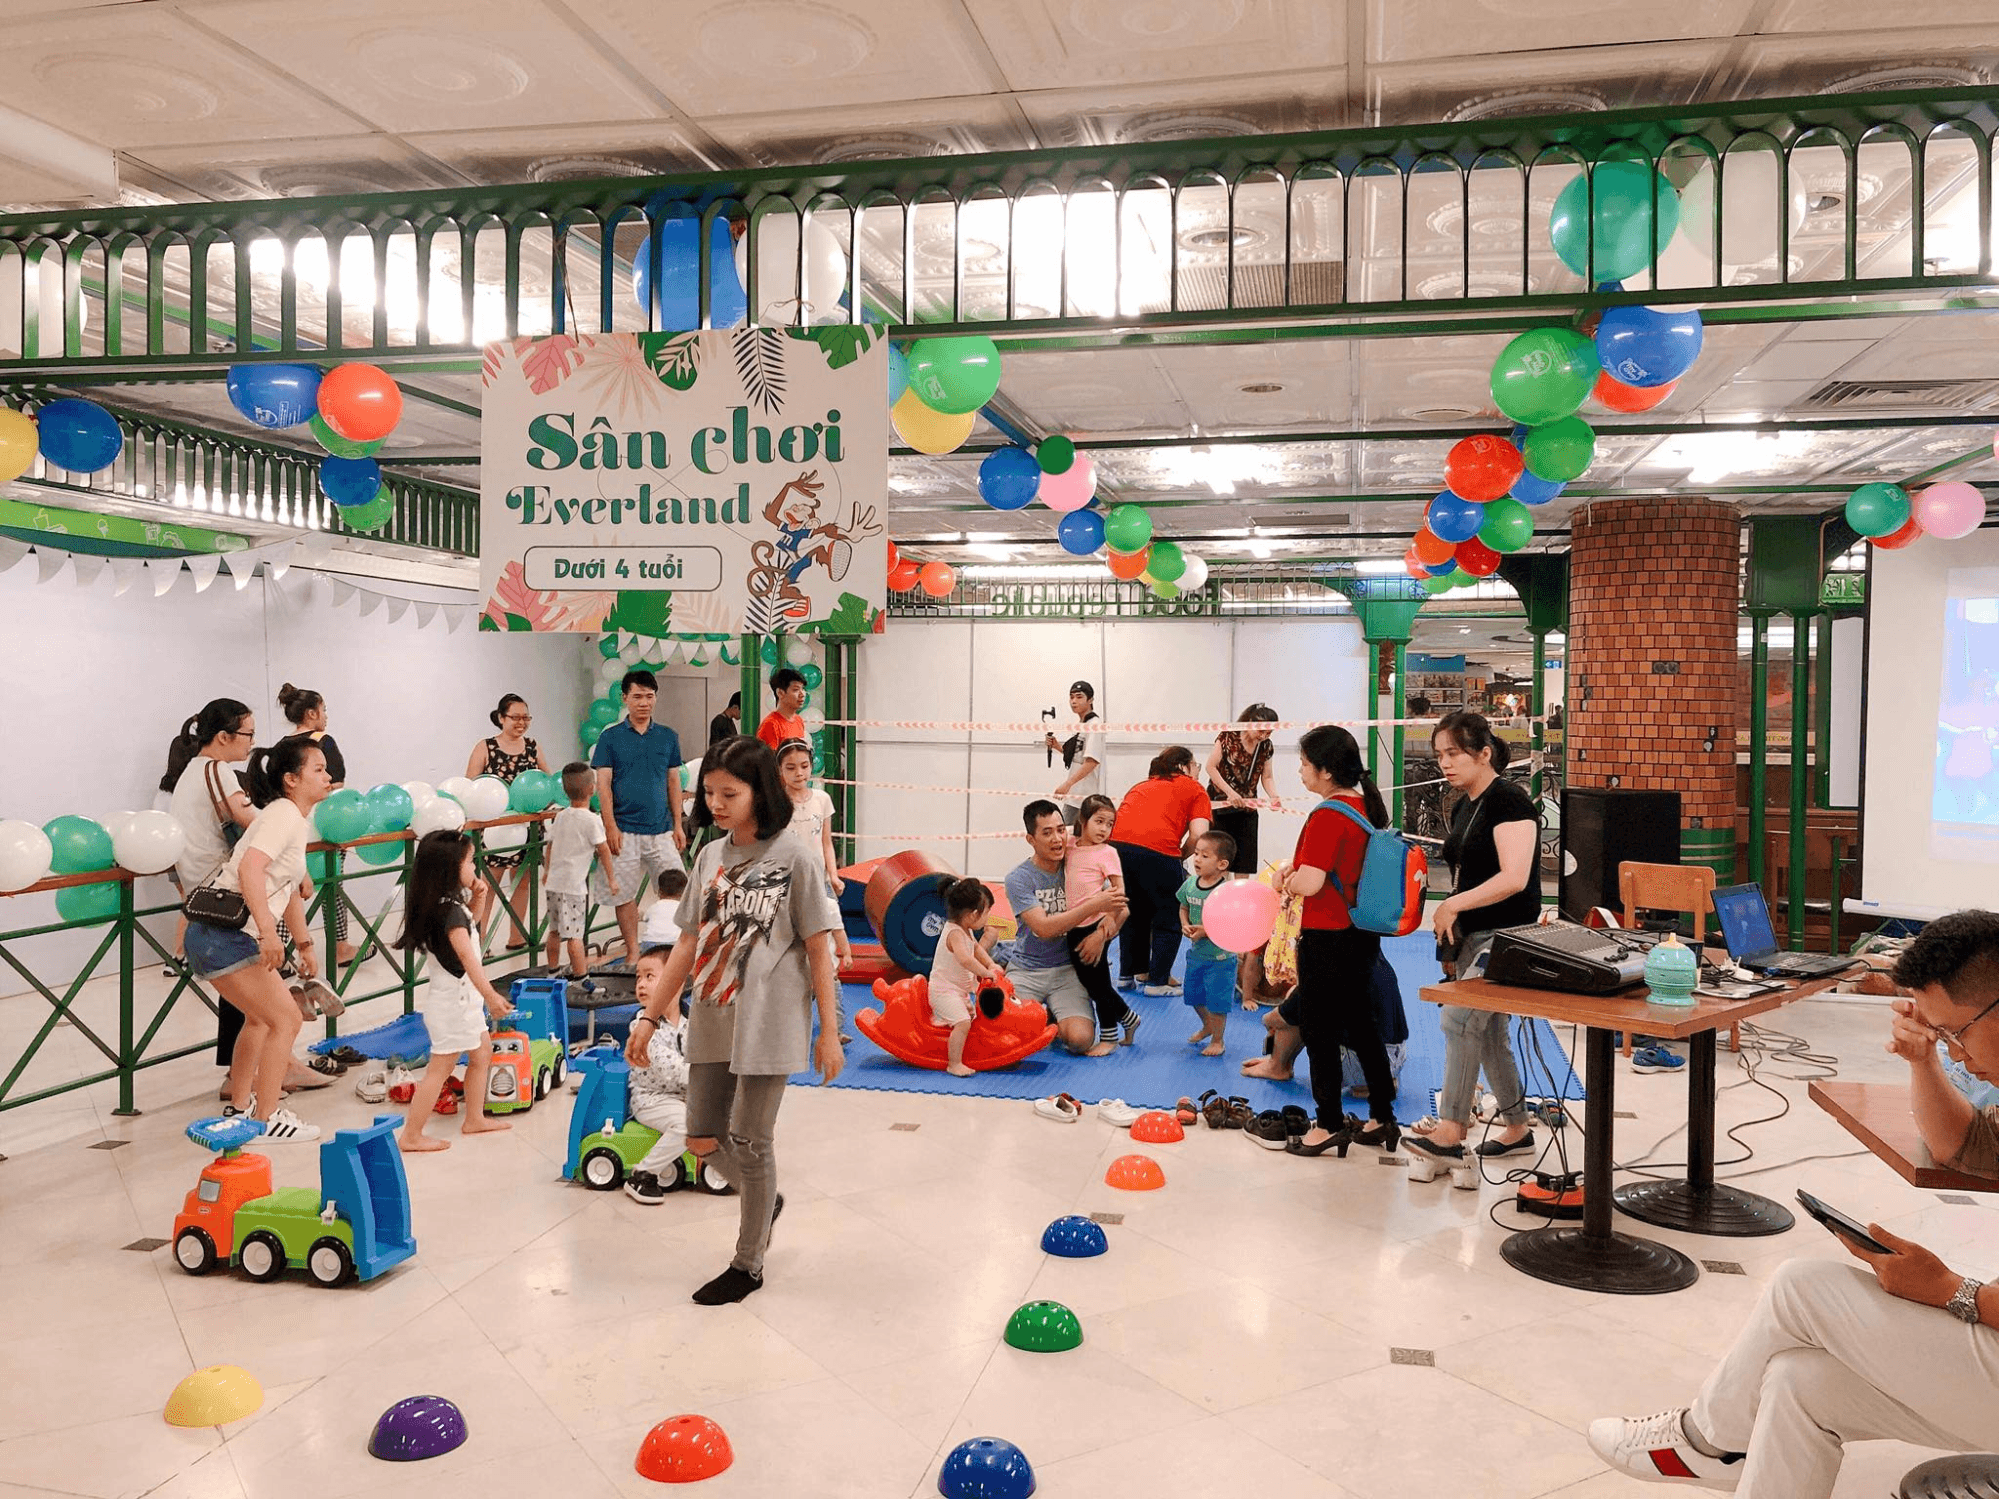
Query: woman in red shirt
[[1331, 1006], [1154, 823]]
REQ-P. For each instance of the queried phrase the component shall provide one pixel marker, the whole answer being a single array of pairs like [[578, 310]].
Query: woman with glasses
[[506, 755], [1238, 767]]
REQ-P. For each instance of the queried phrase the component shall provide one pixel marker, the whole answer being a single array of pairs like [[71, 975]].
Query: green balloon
[[768, 651], [1161, 589], [77, 845], [380, 854], [318, 865], [1437, 584], [389, 808], [337, 445], [373, 516], [1055, 454], [607, 646], [1628, 196], [88, 903], [1167, 563], [528, 793], [588, 733], [602, 715], [954, 375], [812, 675], [1463, 580], [1508, 526], [1127, 528], [1544, 374], [1561, 450], [1878, 509], [343, 816]]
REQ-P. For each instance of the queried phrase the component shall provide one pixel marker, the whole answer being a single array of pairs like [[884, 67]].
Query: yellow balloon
[[18, 441], [929, 431]]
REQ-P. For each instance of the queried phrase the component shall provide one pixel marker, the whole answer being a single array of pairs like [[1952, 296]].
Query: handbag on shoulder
[[213, 906]]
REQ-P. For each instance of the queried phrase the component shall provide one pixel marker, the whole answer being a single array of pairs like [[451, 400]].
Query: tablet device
[[1841, 1224]]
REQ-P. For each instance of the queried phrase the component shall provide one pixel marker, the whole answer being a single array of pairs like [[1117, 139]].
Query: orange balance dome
[[1157, 1127], [1136, 1174], [684, 1449]]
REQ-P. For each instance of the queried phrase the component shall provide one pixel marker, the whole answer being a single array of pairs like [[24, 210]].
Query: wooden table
[[1877, 1115], [1595, 1257]]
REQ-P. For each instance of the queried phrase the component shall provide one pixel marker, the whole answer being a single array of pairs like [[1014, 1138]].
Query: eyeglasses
[[520, 718], [1953, 1041]]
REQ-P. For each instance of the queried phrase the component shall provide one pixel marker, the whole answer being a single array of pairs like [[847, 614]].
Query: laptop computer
[[1752, 941]]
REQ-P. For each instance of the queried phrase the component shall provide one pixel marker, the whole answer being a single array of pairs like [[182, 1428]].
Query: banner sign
[[723, 482]]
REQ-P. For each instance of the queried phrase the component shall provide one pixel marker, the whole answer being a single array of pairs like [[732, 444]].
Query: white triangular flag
[[342, 592], [11, 552], [313, 547], [166, 573], [370, 602], [278, 559], [204, 567], [50, 563], [456, 615], [242, 565], [126, 570], [397, 609], [87, 566], [425, 613]]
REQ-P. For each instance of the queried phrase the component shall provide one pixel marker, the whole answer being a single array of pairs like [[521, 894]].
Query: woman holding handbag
[[232, 934]]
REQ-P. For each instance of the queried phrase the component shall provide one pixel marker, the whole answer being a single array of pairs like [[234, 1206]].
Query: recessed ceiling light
[[1220, 237], [1260, 388]]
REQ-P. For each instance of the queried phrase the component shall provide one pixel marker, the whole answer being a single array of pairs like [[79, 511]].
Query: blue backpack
[[1394, 878]]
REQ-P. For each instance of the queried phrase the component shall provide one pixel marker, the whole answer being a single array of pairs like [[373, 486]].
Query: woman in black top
[[1492, 849], [305, 710]]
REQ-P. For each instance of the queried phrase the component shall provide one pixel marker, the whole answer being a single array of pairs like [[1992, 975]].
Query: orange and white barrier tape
[[1151, 728]]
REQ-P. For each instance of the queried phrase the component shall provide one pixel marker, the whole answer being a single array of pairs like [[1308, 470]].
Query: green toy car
[[608, 1159]]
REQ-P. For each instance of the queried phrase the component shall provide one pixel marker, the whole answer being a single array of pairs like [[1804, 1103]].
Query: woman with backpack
[[1493, 849], [1332, 1005]]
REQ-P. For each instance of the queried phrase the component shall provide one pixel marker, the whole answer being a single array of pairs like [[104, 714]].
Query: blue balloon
[[677, 304], [350, 481], [898, 373], [1648, 346], [1081, 532], [1455, 518], [1531, 489], [275, 395], [1009, 479], [79, 436], [1448, 566]]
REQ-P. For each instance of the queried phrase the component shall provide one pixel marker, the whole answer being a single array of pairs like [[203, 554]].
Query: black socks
[[731, 1286]]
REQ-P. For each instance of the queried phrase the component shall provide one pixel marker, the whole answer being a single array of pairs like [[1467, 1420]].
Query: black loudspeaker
[[1601, 828]]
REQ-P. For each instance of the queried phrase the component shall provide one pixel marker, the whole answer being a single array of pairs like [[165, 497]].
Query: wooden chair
[[1675, 888]]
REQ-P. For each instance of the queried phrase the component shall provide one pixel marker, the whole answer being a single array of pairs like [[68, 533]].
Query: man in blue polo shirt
[[638, 786]]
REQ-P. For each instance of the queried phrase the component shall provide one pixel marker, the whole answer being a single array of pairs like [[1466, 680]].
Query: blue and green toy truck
[[606, 1144]]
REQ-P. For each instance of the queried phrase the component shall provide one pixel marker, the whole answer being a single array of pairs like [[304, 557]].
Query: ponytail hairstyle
[[297, 702], [218, 716], [1257, 713], [1472, 736], [271, 766], [966, 895], [440, 855], [1174, 760], [507, 701], [1335, 753]]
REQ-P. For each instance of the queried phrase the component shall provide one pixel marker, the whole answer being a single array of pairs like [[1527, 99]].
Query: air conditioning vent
[[1313, 284], [1903, 395]]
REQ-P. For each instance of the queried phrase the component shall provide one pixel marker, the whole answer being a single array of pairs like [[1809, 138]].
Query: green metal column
[[1822, 711], [128, 1055], [1373, 710], [752, 684], [1759, 742], [1801, 683], [1537, 738], [1397, 706]]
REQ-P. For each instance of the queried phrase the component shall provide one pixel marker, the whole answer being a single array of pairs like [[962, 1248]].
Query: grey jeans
[[1475, 1041], [740, 1111]]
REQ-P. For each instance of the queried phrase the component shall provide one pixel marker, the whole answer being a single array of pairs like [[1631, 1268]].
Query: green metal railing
[[136, 1045]]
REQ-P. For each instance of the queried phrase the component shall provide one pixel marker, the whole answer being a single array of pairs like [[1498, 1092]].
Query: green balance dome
[[1043, 1328]]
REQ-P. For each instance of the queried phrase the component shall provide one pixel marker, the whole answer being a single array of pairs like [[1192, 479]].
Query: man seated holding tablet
[[1833, 1354]]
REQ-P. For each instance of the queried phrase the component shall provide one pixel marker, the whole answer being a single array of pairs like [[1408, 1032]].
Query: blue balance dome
[[986, 1468], [1075, 1237]]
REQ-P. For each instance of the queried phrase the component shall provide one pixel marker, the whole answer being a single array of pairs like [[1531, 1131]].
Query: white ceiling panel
[[1129, 114], [1517, 83], [1846, 62], [1818, 360], [1054, 44], [1409, 30], [536, 153], [313, 167], [744, 57], [876, 132], [437, 66]]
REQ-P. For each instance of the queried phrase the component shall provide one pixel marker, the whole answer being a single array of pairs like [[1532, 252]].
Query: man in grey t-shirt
[[1040, 967]]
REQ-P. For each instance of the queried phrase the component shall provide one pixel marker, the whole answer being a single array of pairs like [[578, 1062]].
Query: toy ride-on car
[[606, 1144]]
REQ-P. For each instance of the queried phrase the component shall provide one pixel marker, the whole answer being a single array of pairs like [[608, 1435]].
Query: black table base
[[1716, 1210], [1616, 1263]]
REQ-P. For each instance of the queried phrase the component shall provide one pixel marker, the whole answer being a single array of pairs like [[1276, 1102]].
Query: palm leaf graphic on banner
[[760, 363]]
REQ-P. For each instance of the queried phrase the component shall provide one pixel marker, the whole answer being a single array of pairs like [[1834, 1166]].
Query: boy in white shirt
[[575, 835], [659, 1089]]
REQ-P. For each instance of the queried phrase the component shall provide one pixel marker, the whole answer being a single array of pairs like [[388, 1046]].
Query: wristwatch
[[1963, 1304]]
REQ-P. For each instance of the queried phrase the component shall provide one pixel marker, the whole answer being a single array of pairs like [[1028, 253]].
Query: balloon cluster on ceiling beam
[[1613, 223], [350, 410], [1889, 516], [74, 435]]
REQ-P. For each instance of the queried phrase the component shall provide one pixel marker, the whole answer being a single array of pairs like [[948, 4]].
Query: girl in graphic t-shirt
[[757, 943]]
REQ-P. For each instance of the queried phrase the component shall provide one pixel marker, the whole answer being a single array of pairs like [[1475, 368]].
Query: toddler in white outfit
[[659, 1089]]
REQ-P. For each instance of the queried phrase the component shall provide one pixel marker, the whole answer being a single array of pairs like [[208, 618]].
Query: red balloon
[[893, 556], [1894, 541], [1413, 565], [1477, 559], [1129, 564], [1482, 468], [1431, 548], [902, 577], [937, 578], [360, 402], [1615, 395]]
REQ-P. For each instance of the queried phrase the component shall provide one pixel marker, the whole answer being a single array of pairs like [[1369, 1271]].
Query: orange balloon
[[1129, 564], [1615, 395], [893, 556], [1894, 541], [902, 577], [360, 402], [937, 578], [1431, 548], [1413, 566], [1482, 468]]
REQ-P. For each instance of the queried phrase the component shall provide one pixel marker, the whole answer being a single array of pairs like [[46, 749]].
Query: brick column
[[1653, 592]]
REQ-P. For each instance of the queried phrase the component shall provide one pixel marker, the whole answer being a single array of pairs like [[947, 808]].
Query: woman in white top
[[206, 796], [287, 782]]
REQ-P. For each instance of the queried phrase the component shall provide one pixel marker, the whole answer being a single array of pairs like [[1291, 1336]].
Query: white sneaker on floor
[[1116, 1112], [372, 1087], [1059, 1107], [1656, 1449], [283, 1125]]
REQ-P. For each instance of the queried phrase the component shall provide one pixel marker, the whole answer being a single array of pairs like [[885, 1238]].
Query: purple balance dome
[[418, 1427]]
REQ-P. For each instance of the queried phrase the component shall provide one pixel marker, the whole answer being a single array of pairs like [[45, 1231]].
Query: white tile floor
[[1237, 1336]]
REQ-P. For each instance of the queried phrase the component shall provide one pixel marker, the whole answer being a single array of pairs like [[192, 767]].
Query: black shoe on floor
[[1506, 1148], [645, 1187], [731, 1286], [1379, 1135], [1270, 1130]]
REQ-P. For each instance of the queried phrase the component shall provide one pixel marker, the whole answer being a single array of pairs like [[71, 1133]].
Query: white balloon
[[1196, 574], [610, 669], [438, 813], [506, 836], [148, 842], [779, 300], [797, 650], [456, 788], [632, 652], [25, 854], [485, 798], [420, 792], [812, 718]]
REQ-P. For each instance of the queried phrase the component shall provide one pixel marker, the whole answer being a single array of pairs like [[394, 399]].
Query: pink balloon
[[1072, 488], [1950, 510], [1240, 915]]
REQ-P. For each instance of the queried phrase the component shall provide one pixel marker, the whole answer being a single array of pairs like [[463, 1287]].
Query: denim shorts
[[215, 951]]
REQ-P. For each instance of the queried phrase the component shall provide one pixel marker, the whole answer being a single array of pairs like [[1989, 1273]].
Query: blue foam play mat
[[1161, 1066]]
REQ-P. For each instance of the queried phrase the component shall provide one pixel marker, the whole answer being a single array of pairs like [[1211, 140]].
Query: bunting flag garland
[[204, 570]]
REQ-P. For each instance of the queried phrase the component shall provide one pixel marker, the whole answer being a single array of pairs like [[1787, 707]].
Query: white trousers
[[1828, 1358]]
